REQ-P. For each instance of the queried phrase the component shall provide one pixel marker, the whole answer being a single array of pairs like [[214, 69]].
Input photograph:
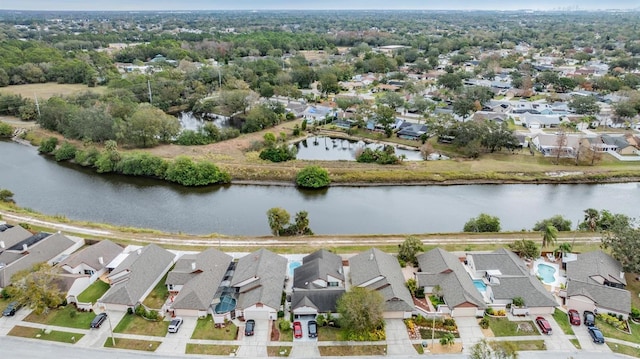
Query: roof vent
[[24, 247], [139, 251], [371, 256], [101, 260], [2, 244], [193, 265]]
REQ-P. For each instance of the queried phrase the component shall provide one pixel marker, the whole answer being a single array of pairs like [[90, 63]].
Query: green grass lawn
[[530, 345], [610, 332], [562, 319], [624, 349], [93, 292], [633, 286], [347, 350], [53, 335], [206, 349], [206, 329], [278, 351], [502, 327], [121, 343], [134, 324], [576, 343], [425, 333], [66, 316], [329, 334], [158, 295]]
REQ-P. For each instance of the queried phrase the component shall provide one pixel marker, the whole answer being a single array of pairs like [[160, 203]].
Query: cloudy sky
[[314, 4]]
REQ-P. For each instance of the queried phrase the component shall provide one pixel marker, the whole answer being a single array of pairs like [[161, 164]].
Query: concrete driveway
[[469, 330], [255, 345], [557, 341], [175, 343], [587, 343], [398, 341]]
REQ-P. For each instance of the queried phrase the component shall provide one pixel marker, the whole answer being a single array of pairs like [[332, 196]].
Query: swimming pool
[[293, 265], [547, 273], [480, 286]]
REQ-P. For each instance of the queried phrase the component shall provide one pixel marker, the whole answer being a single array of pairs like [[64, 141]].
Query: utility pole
[[149, 87]]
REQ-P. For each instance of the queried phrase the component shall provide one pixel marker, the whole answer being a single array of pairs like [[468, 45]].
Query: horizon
[[289, 5]]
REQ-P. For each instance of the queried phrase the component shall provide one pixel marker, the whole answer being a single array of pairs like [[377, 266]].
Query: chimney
[[193, 265], [101, 260], [24, 247]]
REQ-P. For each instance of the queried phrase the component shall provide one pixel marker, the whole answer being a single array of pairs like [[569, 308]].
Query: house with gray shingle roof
[[441, 268], [38, 248], [596, 280], [258, 280], [311, 302], [381, 272], [508, 277], [136, 276], [92, 260], [194, 282], [10, 236]]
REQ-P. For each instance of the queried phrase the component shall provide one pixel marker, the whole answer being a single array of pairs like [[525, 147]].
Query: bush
[[386, 156], [49, 145], [489, 311], [66, 152], [284, 325], [188, 173], [278, 154], [483, 223], [313, 177], [484, 323], [5, 130]]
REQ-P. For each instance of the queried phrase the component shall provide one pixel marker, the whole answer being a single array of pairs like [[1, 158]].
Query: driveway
[[255, 345], [398, 342], [587, 343], [469, 330], [557, 341], [175, 343]]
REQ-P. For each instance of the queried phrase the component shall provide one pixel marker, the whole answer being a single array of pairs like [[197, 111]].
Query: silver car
[[175, 325]]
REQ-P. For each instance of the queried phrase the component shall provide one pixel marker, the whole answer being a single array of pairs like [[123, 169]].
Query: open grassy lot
[[132, 344], [624, 349], [134, 324], [278, 351], [206, 349], [562, 319], [158, 295], [353, 350], [52, 335], [206, 329], [503, 327], [93, 292], [49, 89], [66, 316]]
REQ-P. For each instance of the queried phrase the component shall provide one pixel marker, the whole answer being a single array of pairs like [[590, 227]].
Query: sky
[[315, 4]]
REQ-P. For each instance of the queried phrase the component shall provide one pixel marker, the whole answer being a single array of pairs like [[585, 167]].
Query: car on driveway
[[589, 319], [175, 325], [297, 330], [249, 327], [313, 329], [11, 309], [574, 317], [596, 335], [98, 320], [544, 325]]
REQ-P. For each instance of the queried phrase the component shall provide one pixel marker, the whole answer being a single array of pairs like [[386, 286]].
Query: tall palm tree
[[549, 236], [591, 218]]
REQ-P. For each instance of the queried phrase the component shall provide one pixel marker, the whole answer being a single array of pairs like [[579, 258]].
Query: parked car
[[98, 320], [11, 309], [297, 329], [589, 318], [574, 317], [544, 325], [175, 325], [313, 329], [249, 327], [596, 335]]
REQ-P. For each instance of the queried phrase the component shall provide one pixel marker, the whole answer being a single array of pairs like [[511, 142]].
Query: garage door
[[305, 316], [256, 314], [464, 312]]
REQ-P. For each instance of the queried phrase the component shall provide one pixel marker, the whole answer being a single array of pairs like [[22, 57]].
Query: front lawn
[[624, 349], [206, 329], [121, 343], [523, 345], [274, 351], [52, 335], [207, 349], [135, 324], [562, 319], [425, 333], [158, 295], [352, 350], [610, 332], [93, 292], [67, 316], [329, 334], [502, 327]]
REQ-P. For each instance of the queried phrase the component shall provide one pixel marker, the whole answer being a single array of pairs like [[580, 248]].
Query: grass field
[[207, 349], [278, 351], [121, 343], [49, 89], [346, 350], [503, 327], [93, 292], [52, 335], [134, 324], [158, 295], [206, 329], [562, 319], [624, 349], [66, 316]]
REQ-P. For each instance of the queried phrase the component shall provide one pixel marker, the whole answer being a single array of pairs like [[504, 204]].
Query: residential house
[[317, 284], [381, 272], [411, 131], [537, 121], [12, 235], [34, 249], [550, 144], [194, 282], [135, 276], [319, 114], [259, 280], [595, 281], [508, 277], [85, 267], [439, 268]]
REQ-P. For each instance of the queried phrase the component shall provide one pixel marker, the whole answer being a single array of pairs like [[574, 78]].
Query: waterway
[[77, 193]]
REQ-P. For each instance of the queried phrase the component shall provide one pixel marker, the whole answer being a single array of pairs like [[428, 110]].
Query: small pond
[[323, 148], [189, 121]]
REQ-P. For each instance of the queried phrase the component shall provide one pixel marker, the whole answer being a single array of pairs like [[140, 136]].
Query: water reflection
[[323, 148], [189, 121]]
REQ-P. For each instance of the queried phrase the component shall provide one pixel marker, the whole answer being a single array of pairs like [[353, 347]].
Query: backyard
[[207, 329]]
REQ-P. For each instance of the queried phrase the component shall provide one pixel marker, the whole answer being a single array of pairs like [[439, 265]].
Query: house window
[[88, 272], [334, 284]]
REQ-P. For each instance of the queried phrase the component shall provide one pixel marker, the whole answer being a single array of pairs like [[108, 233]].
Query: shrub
[[188, 173], [484, 323], [284, 325], [278, 154], [313, 177], [66, 152], [5, 130], [49, 145], [386, 156], [518, 302], [483, 223], [489, 311]]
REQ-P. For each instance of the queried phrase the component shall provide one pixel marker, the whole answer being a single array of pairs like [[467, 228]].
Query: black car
[[589, 318], [596, 335], [11, 309], [98, 320], [313, 329], [249, 327]]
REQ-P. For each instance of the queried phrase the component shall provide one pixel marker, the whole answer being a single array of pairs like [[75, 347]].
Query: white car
[[175, 325]]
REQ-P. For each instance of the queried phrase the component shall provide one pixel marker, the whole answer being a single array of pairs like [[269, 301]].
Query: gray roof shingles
[[318, 265], [91, 255], [269, 270]]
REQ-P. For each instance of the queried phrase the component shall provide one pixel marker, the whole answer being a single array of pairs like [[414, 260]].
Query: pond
[[323, 148], [188, 121]]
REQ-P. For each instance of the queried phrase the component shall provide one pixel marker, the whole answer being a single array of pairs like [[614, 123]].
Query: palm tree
[[591, 218], [549, 236]]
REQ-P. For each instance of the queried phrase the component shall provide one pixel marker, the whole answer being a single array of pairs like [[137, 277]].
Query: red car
[[544, 325], [574, 317], [297, 329]]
